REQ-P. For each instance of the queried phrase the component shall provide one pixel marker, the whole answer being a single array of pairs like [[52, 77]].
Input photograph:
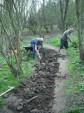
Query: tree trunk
[[63, 11], [19, 58], [80, 30]]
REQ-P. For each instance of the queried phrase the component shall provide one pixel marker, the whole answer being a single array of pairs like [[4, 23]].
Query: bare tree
[[11, 20], [63, 10]]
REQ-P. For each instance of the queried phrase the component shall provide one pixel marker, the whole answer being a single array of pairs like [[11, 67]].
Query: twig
[[11, 88], [28, 101]]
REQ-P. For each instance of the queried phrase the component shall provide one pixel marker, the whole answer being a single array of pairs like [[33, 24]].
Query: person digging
[[65, 38], [36, 45]]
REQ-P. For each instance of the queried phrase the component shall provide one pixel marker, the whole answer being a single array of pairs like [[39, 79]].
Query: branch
[[16, 12], [33, 98], [1, 5], [8, 39], [61, 10], [66, 10]]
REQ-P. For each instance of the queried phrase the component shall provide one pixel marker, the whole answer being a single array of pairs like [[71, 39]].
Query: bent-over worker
[[37, 44]]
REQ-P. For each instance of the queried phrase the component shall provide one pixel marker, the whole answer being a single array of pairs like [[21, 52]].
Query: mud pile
[[35, 95]]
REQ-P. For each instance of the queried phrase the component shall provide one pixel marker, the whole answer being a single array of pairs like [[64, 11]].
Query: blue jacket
[[35, 42]]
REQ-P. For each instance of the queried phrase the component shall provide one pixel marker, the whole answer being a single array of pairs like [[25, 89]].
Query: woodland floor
[[44, 91]]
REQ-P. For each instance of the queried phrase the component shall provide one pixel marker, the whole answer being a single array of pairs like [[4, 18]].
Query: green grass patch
[[54, 41], [75, 84], [6, 77], [2, 102], [73, 110]]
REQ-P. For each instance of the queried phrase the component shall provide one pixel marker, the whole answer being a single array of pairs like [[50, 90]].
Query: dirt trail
[[44, 91], [59, 103]]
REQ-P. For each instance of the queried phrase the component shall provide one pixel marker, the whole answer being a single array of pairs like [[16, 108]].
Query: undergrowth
[[73, 110], [75, 82], [55, 41], [76, 72]]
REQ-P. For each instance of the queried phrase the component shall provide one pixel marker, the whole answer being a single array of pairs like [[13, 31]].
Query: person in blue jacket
[[36, 44], [65, 38]]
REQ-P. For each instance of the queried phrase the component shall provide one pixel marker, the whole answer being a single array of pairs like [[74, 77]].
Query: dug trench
[[35, 94]]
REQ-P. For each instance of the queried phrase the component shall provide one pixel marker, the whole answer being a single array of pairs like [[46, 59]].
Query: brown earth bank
[[35, 94]]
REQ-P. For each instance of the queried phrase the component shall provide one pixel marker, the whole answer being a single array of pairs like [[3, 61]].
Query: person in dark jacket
[[65, 38]]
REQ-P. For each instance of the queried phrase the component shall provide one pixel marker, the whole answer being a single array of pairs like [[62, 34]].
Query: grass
[[73, 110], [6, 77], [76, 72], [53, 41], [2, 102], [75, 84]]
